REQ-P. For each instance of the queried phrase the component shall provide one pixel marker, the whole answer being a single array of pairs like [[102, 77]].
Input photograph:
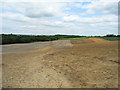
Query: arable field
[[84, 63]]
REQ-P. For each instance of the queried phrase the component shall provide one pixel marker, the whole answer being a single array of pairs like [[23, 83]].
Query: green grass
[[73, 38], [106, 38], [111, 38]]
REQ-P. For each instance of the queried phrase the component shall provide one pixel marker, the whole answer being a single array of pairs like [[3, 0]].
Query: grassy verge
[[73, 38], [111, 38], [106, 38]]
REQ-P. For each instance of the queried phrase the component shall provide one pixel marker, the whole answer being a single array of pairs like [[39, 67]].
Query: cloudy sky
[[77, 17]]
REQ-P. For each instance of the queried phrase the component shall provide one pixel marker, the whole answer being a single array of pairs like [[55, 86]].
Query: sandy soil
[[86, 63]]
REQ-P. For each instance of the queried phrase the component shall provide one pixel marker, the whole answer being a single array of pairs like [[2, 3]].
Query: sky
[[50, 17]]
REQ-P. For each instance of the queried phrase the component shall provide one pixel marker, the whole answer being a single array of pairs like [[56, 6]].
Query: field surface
[[85, 63]]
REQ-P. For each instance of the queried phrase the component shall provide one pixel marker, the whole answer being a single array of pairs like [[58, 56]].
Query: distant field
[[112, 38], [73, 38], [106, 38]]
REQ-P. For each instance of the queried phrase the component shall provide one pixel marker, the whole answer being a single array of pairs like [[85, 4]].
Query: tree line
[[12, 38]]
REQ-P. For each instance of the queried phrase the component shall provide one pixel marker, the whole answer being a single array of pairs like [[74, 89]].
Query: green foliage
[[111, 35], [112, 38], [11, 38]]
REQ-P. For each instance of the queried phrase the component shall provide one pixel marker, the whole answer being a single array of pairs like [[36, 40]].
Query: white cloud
[[35, 9], [51, 18], [45, 10], [101, 6], [15, 17], [56, 0], [97, 19]]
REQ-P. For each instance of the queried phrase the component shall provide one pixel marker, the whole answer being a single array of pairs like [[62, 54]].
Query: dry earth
[[86, 63]]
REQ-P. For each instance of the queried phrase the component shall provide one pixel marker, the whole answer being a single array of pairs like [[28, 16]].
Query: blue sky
[[49, 18]]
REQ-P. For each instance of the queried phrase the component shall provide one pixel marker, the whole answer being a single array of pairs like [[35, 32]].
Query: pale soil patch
[[86, 63]]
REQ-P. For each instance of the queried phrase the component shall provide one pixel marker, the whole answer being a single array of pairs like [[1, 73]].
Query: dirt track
[[86, 63]]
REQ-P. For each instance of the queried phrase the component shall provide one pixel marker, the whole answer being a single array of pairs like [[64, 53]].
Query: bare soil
[[85, 63]]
